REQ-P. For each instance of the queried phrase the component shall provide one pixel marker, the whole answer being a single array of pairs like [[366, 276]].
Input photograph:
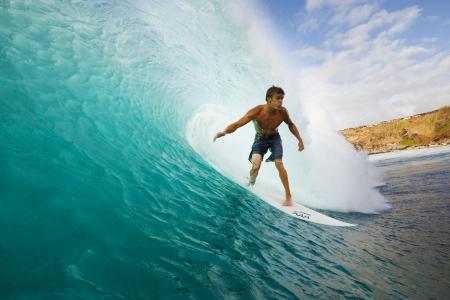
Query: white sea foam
[[410, 153]]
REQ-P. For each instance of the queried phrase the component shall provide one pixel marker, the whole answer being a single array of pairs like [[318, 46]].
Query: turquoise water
[[101, 195]]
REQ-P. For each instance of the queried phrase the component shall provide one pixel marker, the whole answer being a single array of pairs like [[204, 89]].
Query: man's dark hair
[[274, 90]]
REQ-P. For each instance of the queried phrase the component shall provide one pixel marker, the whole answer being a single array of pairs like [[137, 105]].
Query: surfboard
[[307, 214], [304, 213]]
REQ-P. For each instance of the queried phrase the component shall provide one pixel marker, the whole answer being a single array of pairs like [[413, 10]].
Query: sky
[[366, 61]]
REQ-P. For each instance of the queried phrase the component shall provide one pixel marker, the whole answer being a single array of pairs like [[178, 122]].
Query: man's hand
[[301, 146], [219, 135]]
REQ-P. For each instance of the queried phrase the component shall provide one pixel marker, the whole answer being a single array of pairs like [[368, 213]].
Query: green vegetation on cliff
[[423, 130]]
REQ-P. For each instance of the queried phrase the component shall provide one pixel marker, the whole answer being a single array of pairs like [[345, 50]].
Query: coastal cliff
[[424, 130]]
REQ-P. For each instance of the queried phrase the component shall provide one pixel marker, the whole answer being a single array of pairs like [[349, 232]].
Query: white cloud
[[316, 4], [402, 19], [386, 23], [370, 73], [310, 53], [430, 40], [342, 13], [308, 23], [353, 15]]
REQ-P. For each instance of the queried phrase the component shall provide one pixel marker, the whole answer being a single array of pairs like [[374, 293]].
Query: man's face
[[276, 100]]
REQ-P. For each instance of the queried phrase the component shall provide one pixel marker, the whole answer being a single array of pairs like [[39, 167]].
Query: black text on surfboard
[[301, 214]]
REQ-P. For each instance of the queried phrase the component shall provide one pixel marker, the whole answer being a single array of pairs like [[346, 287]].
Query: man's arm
[[294, 130], [249, 116]]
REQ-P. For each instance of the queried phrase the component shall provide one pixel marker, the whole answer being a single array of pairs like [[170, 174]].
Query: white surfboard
[[306, 214], [301, 212]]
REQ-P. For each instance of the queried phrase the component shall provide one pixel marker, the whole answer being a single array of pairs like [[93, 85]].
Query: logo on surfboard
[[302, 214]]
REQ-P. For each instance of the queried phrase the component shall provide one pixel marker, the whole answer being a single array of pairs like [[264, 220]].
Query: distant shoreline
[[426, 130]]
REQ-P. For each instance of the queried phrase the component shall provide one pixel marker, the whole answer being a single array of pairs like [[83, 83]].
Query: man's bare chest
[[269, 121]]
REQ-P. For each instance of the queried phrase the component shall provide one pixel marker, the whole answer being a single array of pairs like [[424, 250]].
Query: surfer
[[266, 118]]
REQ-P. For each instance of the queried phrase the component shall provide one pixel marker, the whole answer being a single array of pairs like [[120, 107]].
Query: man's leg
[[256, 164], [284, 179]]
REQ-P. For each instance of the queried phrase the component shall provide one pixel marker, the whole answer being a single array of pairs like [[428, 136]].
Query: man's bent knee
[[279, 164], [256, 160]]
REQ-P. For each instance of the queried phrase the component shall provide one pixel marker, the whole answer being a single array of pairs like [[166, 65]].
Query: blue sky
[[366, 61], [291, 17]]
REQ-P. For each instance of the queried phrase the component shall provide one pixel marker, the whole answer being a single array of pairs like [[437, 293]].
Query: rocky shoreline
[[426, 130]]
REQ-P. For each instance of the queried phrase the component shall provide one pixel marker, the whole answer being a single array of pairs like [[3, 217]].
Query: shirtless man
[[267, 118]]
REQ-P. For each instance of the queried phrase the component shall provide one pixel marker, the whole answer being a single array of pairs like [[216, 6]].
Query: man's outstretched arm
[[293, 129], [249, 116]]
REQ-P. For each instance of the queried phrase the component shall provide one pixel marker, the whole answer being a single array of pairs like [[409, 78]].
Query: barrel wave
[[110, 184]]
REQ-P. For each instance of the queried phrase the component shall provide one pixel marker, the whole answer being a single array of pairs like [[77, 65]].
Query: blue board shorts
[[264, 143]]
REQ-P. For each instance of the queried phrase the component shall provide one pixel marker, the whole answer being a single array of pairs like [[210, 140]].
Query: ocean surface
[[104, 193]]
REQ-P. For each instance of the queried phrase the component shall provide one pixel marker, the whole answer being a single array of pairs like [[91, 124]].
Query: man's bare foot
[[288, 201], [251, 181]]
